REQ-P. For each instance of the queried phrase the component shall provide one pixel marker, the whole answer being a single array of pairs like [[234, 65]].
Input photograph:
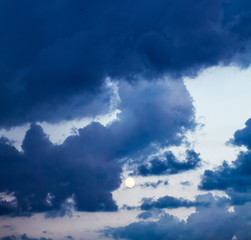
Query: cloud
[[185, 183], [243, 137], [171, 202], [25, 237], [156, 213], [55, 56], [153, 113], [214, 222], [85, 168], [44, 176], [9, 238], [235, 178], [170, 165], [70, 237], [154, 184]]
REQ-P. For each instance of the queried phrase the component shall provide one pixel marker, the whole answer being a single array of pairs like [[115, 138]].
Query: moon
[[130, 182]]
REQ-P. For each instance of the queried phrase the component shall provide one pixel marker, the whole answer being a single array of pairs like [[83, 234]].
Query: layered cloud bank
[[214, 222]]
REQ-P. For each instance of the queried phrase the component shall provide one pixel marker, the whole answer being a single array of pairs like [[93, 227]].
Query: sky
[[94, 92]]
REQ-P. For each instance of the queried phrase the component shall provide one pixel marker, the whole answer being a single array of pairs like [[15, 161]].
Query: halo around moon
[[130, 182]]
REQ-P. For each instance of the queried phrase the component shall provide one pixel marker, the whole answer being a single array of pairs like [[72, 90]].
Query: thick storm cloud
[[45, 175], [57, 54], [235, 179], [212, 222], [170, 164], [66, 60], [85, 166]]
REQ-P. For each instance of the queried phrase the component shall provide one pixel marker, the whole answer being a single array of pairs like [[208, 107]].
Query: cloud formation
[[170, 164], [9, 238], [235, 179], [85, 167], [44, 176], [154, 184], [23, 237], [171, 202], [56, 55], [212, 222]]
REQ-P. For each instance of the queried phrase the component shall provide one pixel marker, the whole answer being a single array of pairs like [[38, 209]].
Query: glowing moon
[[130, 182]]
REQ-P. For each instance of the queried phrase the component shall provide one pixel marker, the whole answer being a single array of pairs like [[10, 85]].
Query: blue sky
[[92, 92]]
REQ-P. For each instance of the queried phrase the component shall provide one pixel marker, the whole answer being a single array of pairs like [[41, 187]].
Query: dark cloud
[[165, 202], [171, 202], [145, 215], [129, 208], [55, 56], [153, 184], [186, 183], [70, 237], [214, 222], [152, 112], [5, 207], [82, 172], [155, 213], [9, 238], [236, 176], [235, 179], [23, 237], [170, 165], [44, 176], [242, 137], [66, 209]]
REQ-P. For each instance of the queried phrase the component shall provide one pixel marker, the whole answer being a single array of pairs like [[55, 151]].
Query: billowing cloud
[[243, 137], [57, 55], [210, 222], [55, 62], [170, 164], [44, 176], [233, 178], [84, 168]]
